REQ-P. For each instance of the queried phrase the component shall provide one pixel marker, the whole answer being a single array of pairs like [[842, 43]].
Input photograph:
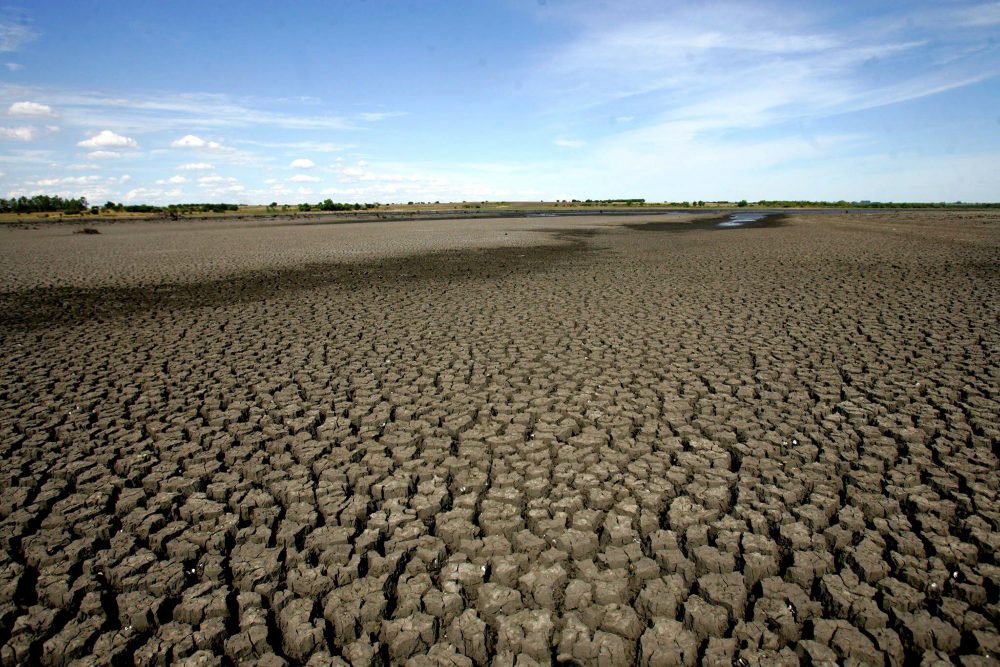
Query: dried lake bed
[[589, 439]]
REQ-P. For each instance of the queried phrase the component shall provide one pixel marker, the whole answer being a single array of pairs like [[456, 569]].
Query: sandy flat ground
[[163, 252], [465, 442]]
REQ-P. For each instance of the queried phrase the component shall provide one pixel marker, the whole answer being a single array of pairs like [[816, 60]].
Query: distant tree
[[742, 203], [75, 206]]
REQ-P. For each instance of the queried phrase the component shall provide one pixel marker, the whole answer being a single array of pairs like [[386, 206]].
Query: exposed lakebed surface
[[444, 444]]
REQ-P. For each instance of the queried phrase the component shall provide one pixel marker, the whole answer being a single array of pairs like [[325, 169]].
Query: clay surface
[[504, 442]]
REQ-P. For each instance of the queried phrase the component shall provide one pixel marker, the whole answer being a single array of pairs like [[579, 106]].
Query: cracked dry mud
[[752, 446]]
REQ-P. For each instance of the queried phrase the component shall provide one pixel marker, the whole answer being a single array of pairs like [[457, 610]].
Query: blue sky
[[252, 102]]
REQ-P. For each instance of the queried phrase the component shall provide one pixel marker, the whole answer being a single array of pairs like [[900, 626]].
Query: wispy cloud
[[693, 78], [14, 34], [375, 116], [978, 16], [105, 155], [157, 111], [310, 146]]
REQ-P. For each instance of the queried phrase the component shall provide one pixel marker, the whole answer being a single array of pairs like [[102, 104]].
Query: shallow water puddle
[[740, 219]]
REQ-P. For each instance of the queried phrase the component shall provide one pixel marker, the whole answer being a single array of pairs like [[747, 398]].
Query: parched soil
[[603, 445]]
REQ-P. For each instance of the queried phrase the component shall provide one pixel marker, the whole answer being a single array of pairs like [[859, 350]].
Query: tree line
[[330, 205], [170, 208], [43, 204], [76, 206]]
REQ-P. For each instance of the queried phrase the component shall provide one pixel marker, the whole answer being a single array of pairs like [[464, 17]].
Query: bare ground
[[446, 445]]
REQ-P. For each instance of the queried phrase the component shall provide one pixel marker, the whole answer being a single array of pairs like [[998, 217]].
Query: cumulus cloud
[[108, 139], [29, 109], [302, 163], [304, 178], [17, 133], [173, 180], [196, 142], [196, 166]]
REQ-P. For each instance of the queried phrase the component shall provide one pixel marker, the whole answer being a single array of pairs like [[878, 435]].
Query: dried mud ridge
[[770, 446]]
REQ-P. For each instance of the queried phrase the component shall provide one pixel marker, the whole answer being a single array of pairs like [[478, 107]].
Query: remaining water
[[740, 219]]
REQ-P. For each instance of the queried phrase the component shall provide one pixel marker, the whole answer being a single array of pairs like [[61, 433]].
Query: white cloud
[[302, 163], [105, 155], [624, 119], [196, 166], [108, 139], [196, 142], [304, 178], [30, 109], [173, 180], [17, 133], [82, 166], [569, 143], [13, 67]]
